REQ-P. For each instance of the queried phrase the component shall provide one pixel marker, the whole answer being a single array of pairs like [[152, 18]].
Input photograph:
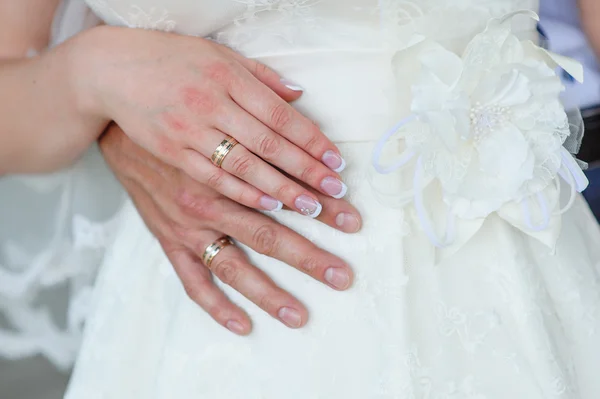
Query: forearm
[[25, 25], [44, 123], [590, 18]]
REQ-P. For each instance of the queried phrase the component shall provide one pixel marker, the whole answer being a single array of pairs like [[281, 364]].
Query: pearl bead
[[487, 118]]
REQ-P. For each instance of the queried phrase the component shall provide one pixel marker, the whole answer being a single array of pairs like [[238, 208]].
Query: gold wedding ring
[[222, 150], [213, 250]]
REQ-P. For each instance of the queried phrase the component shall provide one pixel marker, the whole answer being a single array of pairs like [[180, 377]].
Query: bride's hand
[[179, 97], [187, 217]]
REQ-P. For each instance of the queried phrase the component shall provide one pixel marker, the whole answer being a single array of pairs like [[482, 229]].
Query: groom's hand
[[187, 217]]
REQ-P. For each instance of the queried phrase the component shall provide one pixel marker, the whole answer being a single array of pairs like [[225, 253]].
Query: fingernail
[[347, 222], [337, 277], [235, 327], [334, 161], [308, 206], [334, 187], [270, 203], [291, 85], [290, 317]]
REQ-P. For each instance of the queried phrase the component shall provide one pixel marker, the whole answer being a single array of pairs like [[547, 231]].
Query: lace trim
[[71, 264], [152, 18]]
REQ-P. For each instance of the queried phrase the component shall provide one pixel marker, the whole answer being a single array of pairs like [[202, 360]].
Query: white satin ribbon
[[569, 171]]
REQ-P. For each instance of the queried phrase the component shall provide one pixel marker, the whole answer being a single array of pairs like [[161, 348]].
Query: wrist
[[87, 53]]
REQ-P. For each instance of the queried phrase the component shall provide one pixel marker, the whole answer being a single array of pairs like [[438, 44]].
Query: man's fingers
[[198, 285], [233, 268], [268, 237], [194, 276]]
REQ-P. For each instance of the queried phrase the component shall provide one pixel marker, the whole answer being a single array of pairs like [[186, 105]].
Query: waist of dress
[[351, 94]]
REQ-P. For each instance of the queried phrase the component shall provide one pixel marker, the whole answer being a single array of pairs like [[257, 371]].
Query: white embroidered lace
[[498, 315]]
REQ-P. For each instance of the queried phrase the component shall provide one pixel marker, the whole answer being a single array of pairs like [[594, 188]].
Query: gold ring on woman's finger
[[222, 150]]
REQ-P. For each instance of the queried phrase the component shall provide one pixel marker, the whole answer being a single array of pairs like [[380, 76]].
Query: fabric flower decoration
[[488, 126]]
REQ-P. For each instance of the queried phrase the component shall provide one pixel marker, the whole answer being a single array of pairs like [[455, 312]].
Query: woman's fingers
[[286, 89], [278, 151], [201, 169], [279, 116], [253, 170], [198, 285], [233, 268], [153, 175]]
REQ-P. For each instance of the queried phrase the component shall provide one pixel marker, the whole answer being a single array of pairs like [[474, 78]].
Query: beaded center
[[484, 119]]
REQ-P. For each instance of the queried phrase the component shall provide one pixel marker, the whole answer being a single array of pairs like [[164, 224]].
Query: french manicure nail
[[235, 327], [347, 222], [334, 161], [270, 204], [291, 85], [308, 206], [337, 277], [290, 317], [334, 187]]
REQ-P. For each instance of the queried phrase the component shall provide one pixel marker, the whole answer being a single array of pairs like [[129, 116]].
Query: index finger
[[268, 237], [271, 110]]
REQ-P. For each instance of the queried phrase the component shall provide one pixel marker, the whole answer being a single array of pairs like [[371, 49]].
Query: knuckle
[[316, 142], [307, 174], [228, 272], [193, 290], [260, 69], [265, 240], [197, 207], [284, 191], [217, 311], [201, 102], [164, 231], [281, 116], [309, 265], [178, 231], [220, 71], [242, 165], [174, 122], [267, 303], [166, 148], [247, 198], [269, 146], [216, 179]]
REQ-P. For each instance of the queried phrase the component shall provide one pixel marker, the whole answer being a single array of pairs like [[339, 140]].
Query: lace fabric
[[418, 323], [54, 232], [504, 308], [499, 307], [58, 232], [300, 25]]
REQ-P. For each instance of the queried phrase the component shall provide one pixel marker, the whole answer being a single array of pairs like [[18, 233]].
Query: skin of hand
[[56, 104], [187, 216], [179, 97]]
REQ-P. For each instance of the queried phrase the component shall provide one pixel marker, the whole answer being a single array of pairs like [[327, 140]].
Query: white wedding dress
[[470, 283]]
